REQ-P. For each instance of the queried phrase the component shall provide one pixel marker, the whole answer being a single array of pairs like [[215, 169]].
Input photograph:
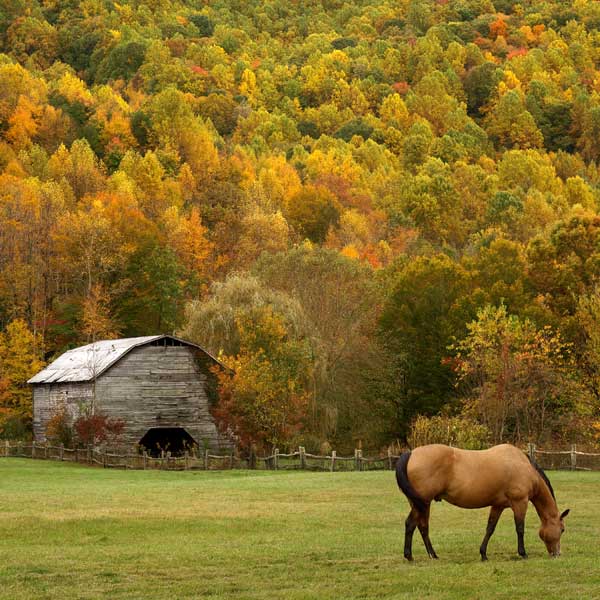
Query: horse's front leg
[[519, 510], [495, 513]]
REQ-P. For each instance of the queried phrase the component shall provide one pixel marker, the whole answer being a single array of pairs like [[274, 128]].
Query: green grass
[[68, 531]]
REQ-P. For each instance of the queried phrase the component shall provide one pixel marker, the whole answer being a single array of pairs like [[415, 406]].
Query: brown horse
[[500, 477]]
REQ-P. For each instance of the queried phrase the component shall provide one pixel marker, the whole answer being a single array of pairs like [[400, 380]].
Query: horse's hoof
[[408, 557], [435, 556], [483, 558], [523, 556]]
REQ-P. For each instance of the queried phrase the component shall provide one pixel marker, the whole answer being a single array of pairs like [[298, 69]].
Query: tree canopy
[[367, 177]]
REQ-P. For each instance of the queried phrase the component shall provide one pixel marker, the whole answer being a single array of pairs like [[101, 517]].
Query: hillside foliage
[[402, 196]]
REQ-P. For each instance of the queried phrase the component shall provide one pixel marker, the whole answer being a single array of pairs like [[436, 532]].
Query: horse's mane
[[543, 476], [405, 485]]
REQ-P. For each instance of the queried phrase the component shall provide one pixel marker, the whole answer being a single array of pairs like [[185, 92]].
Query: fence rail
[[572, 459], [198, 460]]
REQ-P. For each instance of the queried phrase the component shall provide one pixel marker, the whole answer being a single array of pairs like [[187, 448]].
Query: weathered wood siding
[[158, 386], [151, 386], [48, 398]]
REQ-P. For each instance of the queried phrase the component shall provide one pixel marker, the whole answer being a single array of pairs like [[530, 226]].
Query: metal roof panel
[[87, 362]]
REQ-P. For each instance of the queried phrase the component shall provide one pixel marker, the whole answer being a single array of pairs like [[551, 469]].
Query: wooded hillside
[[372, 210]]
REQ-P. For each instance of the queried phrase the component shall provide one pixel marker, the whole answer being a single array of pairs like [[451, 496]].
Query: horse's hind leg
[[420, 519], [409, 528], [423, 524], [495, 513]]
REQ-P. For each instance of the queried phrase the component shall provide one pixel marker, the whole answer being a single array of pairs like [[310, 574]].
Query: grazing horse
[[500, 477]]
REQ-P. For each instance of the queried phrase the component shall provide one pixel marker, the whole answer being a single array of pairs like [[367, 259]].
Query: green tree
[[213, 322], [312, 211], [500, 270], [479, 84], [565, 264], [427, 308], [151, 297], [222, 111], [121, 62], [511, 125]]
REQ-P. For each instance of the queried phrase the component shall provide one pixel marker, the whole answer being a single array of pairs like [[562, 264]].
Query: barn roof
[[88, 362]]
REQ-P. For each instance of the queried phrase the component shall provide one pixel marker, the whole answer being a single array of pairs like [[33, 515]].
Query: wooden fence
[[571, 459], [198, 460]]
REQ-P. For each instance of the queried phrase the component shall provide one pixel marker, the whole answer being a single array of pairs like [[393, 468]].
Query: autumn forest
[[383, 215]]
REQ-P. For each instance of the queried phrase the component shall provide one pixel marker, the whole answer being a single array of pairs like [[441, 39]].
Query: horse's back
[[470, 478]]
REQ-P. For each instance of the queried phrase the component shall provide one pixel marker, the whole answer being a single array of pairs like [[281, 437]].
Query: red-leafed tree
[[98, 428]]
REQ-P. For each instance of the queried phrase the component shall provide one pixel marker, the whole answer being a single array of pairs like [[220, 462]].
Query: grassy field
[[73, 532]]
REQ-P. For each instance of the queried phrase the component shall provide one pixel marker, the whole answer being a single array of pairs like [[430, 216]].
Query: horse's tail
[[405, 485]]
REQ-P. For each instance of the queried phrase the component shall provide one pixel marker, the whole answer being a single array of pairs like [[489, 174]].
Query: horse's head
[[550, 532]]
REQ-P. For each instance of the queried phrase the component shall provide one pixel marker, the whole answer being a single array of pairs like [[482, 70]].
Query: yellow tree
[[261, 232], [28, 212], [79, 166], [518, 380], [19, 360], [97, 323]]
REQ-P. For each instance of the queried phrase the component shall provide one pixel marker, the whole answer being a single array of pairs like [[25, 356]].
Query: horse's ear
[[565, 513]]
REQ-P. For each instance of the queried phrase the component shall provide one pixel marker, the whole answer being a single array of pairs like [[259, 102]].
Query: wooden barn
[[160, 386]]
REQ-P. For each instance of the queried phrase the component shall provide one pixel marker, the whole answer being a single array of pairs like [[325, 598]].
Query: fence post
[[357, 459], [33, 449], [231, 460], [6, 449], [574, 457], [206, 459], [19, 448], [302, 452], [531, 450], [276, 459], [390, 458], [333, 455], [145, 455], [186, 463], [62, 452]]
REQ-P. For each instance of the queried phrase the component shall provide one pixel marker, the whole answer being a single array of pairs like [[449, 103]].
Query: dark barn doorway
[[175, 440]]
